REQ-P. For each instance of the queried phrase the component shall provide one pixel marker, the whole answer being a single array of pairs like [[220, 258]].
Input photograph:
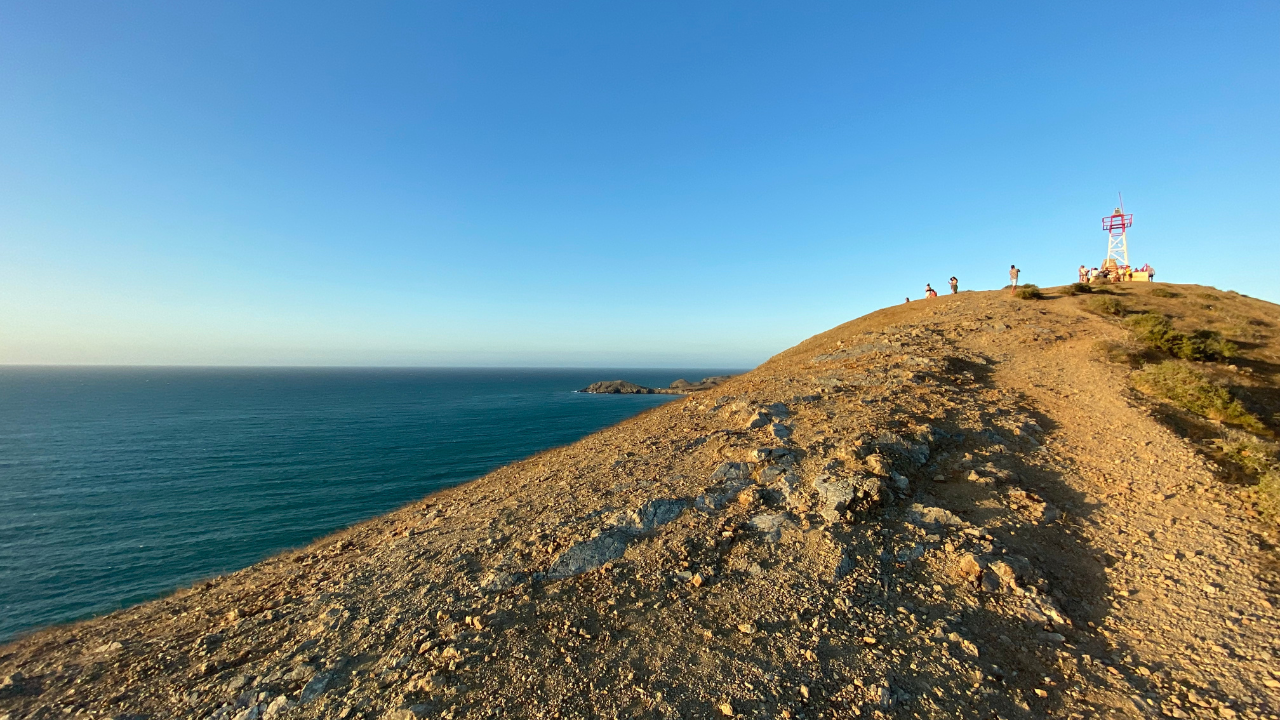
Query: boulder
[[590, 554], [731, 471], [770, 525], [999, 577], [611, 543], [933, 518], [655, 513], [837, 496]]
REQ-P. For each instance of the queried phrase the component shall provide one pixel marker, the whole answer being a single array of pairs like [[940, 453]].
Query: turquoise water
[[117, 485]]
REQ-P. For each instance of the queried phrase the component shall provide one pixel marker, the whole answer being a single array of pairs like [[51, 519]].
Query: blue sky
[[645, 184]]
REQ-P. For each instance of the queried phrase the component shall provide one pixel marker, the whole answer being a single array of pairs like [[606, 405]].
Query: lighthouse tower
[[1117, 225]]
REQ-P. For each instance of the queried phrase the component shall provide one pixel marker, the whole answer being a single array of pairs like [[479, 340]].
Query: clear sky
[[601, 183]]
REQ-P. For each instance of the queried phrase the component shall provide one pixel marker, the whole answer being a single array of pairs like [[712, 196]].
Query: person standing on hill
[[1013, 279], [955, 285], [1084, 274]]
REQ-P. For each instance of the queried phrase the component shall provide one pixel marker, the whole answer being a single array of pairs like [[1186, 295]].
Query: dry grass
[[1125, 352], [1029, 292], [1183, 385], [1259, 459], [1157, 332], [1104, 305]]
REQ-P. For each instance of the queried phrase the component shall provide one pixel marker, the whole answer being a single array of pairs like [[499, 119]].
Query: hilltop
[[971, 506]]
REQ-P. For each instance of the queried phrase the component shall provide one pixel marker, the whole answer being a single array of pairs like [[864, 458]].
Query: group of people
[[1120, 274], [929, 292]]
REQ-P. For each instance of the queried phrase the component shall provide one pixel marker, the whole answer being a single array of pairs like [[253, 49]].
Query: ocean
[[118, 485]]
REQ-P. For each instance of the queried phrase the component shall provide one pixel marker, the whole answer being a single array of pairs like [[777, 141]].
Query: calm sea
[[118, 485]]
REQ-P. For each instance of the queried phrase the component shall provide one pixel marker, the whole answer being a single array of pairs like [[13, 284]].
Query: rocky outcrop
[[679, 387], [622, 387], [921, 513]]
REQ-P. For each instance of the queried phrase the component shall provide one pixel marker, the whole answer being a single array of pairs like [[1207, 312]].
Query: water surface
[[120, 484]]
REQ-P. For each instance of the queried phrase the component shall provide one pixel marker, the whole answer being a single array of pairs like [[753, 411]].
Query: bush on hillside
[[1258, 458], [1156, 332], [1253, 454], [1077, 289], [1029, 292], [1188, 388], [1269, 493], [1127, 352], [1164, 293], [1104, 305]]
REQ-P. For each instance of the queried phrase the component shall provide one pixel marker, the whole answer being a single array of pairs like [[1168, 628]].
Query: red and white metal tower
[[1117, 225]]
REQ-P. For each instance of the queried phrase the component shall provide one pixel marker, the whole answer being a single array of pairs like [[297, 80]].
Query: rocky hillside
[[951, 508]]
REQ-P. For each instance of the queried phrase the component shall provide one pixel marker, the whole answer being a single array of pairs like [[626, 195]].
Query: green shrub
[[1269, 493], [1254, 455], [1156, 332], [1188, 388], [1077, 289], [1257, 458], [1204, 345], [1119, 352], [1104, 305], [1029, 292], [1164, 293]]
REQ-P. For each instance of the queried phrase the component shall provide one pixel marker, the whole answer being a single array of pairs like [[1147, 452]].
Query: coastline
[[131, 482], [896, 516]]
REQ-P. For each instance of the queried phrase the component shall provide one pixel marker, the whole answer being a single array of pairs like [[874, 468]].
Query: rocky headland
[[679, 387], [959, 507]]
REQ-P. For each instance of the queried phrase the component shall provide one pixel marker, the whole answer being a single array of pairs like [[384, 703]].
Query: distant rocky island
[[679, 387]]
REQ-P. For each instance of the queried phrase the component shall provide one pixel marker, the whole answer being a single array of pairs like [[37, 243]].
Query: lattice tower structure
[[1117, 225]]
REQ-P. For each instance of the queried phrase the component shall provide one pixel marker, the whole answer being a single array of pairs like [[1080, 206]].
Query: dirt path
[[1183, 609]]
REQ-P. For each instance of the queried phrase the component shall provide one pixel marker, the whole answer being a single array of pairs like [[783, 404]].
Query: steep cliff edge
[[950, 508]]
